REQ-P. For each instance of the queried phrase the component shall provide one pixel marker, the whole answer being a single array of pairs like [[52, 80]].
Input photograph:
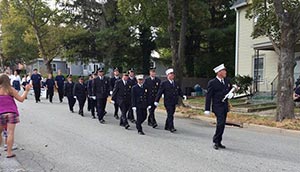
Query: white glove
[[110, 92], [156, 103], [93, 97], [112, 102], [134, 108], [149, 107], [74, 97], [206, 112], [230, 95], [184, 97], [162, 96]]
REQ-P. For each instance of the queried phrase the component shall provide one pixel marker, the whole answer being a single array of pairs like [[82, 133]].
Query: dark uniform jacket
[[140, 96], [80, 90], [101, 87], [68, 88], [133, 81], [171, 93], [216, 92], [121, 92], [50, 83], [113, 82], [153, 86], [89, 87]]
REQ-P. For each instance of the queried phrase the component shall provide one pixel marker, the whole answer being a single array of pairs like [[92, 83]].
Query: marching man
[[219, 90], [171, 91], [140, 102]]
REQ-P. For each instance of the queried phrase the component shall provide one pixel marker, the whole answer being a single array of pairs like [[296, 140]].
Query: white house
[[256, 57]]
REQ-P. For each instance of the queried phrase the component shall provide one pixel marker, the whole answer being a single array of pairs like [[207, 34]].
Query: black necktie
[[223, 81]]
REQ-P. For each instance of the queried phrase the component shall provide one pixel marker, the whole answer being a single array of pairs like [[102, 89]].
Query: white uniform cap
[[138, 77], [169, 71], [219, 68]]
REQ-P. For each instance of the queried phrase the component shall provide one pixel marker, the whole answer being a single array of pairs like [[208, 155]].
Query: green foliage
[[262, 12]]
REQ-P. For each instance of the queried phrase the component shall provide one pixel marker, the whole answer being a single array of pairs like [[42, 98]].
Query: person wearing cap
[[91, 102], [171, 91], [140, 102], [59, 84], [112, 85], [122, 96], [68, 91], [36, 82], [153, 84], [132, 82], [100, 93], [80, 93], [217, 89]]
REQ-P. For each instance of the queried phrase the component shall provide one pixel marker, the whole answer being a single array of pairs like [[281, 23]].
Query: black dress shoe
[[173, 130], [116, 116], [154, 125], [72, 111], [221, 146], [141, 133], [127, 126], [216, 146], [133, 121], [102, 121], [150, 124], [166, 128], [94, 117]]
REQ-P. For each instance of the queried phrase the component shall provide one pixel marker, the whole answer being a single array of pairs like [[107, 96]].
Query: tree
[[45, 26], [280, 21], [17, 42]]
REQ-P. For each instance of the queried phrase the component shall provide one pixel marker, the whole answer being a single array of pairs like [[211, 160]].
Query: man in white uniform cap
[[217, 89], [171, 91]]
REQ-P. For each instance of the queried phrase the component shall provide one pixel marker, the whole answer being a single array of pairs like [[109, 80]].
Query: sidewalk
[[10, 165]]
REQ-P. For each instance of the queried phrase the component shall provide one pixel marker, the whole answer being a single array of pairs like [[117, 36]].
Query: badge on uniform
[[146, 90], [157, 83], [129, 86]]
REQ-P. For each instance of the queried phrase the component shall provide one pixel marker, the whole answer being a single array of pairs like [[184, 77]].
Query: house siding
[[246, 53]]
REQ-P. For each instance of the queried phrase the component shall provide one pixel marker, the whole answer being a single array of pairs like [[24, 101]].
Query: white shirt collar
[[220, 79], [152, 77], [171, 81], [140, 85]]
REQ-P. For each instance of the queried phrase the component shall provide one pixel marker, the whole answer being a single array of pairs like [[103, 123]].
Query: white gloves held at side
[[156, 104]]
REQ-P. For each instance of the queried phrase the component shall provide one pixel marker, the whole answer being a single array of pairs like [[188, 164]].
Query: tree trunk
[[286, 65], [48, 66], [173, 34], [178, 51]]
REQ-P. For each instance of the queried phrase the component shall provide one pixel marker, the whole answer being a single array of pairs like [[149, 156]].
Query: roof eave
[[238, 5]]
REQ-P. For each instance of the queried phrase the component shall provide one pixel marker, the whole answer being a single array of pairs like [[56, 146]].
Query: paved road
[[52, 139]]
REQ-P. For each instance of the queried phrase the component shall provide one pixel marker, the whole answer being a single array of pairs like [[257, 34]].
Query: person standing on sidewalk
[[16, 81], [68, 90], [172, 92], [140, 102], [112, 85], [122, 96], [36, 81], [80, 93], [100, 93], [153, 84], [217, 89], [50, 87], [9, 115], [59, 84]]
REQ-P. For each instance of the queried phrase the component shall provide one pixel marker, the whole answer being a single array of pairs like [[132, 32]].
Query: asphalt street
[[50, 138]]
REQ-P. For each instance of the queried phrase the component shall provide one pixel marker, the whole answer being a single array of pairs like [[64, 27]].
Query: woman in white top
[[15, 81]]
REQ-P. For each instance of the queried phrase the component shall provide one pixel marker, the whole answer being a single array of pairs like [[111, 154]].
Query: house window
[[258, 69], [54, 67]]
